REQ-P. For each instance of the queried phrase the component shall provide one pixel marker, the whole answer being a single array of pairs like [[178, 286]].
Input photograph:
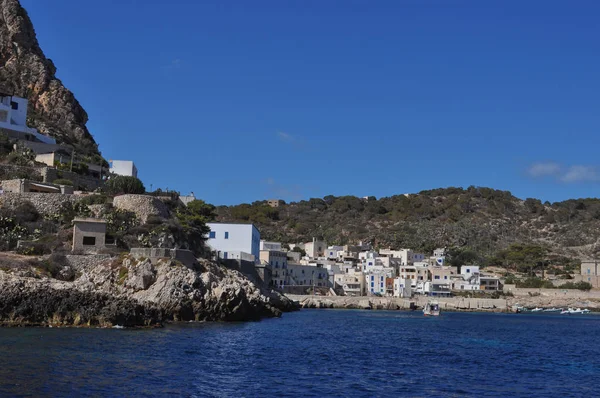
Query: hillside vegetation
[[483, 220]]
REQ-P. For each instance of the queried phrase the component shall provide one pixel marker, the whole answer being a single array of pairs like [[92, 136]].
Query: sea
[[313, 353]]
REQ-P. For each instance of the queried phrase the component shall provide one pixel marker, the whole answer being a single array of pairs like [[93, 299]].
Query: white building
[[277, 260], [352, 283], [406, 256], [402, 287], [225, 238], [13, 120], [468, 279], [333, 252], [307, 275], [123, 168], [315, 249], [375, 282], [264, 245]]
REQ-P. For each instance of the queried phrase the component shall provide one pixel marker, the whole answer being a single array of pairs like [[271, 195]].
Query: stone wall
[[11, 185], [45, 203], [556, 293], [10, 171], [142, 205], [186, 257], [49, 174]]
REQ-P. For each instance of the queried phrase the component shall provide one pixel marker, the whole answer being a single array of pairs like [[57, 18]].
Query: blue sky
[[240, 101]]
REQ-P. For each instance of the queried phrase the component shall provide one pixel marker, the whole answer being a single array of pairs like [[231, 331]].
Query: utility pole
[[72, 156]]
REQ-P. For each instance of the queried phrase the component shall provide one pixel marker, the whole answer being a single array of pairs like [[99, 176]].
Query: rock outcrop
[[26, 72], [127, 292], [143, 206]]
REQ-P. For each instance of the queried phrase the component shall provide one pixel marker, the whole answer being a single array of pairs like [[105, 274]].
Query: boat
[[537, 309], [553, 309], [432, 308], [574, 311]]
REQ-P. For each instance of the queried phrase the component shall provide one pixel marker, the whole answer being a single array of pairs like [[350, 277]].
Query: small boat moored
[[575, 311], [432, 308]]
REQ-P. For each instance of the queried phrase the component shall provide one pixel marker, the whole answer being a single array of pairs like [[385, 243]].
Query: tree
[[299, 250], [124, 185], [193, 219]]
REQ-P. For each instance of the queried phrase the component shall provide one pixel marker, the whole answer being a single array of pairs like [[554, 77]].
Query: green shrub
[[53, 265], [94, 200], [535, 283], [63, 181], [585, 286], [117, 185]]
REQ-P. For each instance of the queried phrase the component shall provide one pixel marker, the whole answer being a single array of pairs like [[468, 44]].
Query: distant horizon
[[240, 102]]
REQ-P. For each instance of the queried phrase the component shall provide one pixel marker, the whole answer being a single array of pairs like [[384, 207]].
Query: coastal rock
[[124, 291], [140, 276]]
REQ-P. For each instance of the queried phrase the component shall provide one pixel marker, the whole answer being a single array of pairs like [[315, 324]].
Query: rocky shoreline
[[392, 303], [126, 292]]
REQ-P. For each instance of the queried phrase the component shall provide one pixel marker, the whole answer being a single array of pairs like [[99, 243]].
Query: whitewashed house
[[13, 120], [402, 287], [123, 168], [229, 239]]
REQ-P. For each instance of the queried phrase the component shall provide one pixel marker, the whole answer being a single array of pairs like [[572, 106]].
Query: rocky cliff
[[26, 72], [123, 291]]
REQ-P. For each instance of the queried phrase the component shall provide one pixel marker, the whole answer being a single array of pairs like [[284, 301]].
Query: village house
[[275, 202], [590, 273], [231, 240], [277, 261], [307, 275], [352, 283], [315, 249], [402, 287]]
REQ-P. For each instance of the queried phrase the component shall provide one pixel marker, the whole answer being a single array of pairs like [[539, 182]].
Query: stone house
[[89, 234], [24, 186]]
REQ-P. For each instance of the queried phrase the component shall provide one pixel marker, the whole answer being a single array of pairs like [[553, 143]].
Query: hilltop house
[[123, 168], [13, 120]]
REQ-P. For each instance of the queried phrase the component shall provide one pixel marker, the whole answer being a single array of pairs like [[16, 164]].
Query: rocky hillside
[[481, 219], [26, 72], [122, 291]]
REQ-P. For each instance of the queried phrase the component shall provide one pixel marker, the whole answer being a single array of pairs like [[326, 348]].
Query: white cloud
[[580, 173], [566, 174], [285, 137], [544, 169]]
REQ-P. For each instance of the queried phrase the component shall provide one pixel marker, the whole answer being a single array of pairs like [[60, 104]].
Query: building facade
[[225, 238], [123, 168], [277, 260], [13, 120]]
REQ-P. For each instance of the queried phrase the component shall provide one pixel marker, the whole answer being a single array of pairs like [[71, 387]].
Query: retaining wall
[[45, 203]]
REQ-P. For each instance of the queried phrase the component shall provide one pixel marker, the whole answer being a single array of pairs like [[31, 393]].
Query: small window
[[14, 105], [89, 241], [212, 235], [225, 255], [226, 235]]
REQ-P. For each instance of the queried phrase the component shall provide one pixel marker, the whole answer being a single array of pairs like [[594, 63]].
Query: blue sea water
[[313, 353]]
